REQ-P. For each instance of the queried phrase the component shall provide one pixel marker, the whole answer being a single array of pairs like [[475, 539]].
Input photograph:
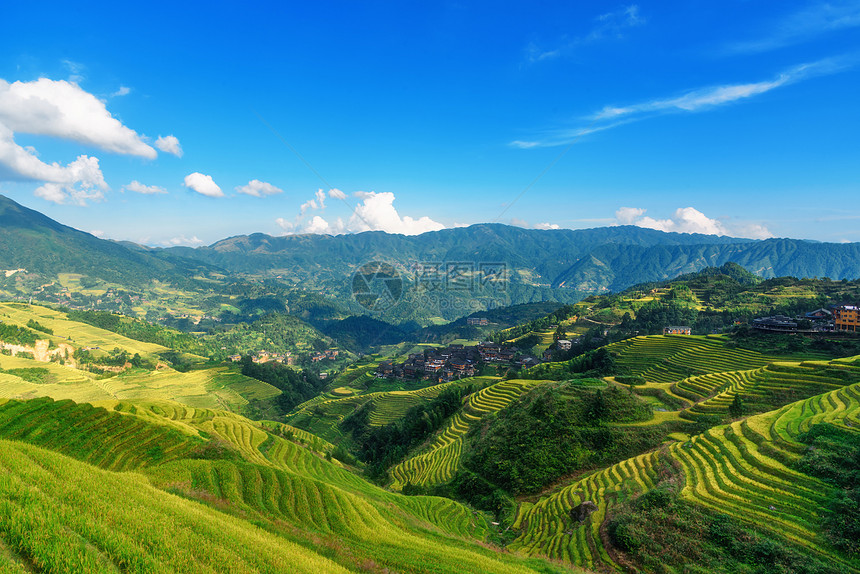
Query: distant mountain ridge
[[542, 265], [585, 260]]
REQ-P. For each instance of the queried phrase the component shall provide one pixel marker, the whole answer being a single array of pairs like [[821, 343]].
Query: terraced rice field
[[671, 358], [546, 527], [322, 414], [440, 461], [739, 469], [777, 382], [101, 437], [72, 332], [211, 388], [84, 519]]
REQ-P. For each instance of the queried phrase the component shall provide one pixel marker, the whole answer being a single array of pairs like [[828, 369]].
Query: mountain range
[[540, 265]]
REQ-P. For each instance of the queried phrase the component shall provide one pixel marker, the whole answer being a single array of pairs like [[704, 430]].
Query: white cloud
[[138, 187], [751, 230], [98, 233], [192, 241], [75, 71], [690, 220], [802, 26], [376, 212], [287, 226], [714, 96], [259, 188], [122, 91], [203, 184], [627, 215], [693, 101], [309, 204], [319, 225], [565, 136], [687, 220], [76, 182], [607, 26], [517, 222], [169, 144], [62, 109]]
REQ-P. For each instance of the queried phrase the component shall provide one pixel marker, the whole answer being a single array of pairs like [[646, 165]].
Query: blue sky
[[165, 124]]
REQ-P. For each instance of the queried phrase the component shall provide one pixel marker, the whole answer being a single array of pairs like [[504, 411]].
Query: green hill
[[746, 472], [34, 242], [212, 491]]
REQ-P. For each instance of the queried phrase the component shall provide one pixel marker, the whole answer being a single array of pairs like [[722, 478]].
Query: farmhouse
[[564, 344], [775, 323], [846, 318], [819, 314]]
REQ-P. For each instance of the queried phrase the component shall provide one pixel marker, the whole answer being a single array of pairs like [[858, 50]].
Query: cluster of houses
[[267, 357], [677, 330], [452, 362], [286, 358], [330, 354], [844, 318]]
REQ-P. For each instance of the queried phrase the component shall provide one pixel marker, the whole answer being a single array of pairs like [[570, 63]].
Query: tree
[[736, 409]]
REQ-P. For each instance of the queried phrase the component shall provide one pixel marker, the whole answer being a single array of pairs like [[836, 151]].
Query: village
[[455, 361], [835, 319]]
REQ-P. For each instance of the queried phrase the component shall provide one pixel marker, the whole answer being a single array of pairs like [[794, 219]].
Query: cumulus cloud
[[62, 109], [686, 220], [203, 184], [309, 204], [690, 220], [138, 187], [517, 222], [376, 212], [320, 195], [259, 188], [192, 241], [286, 225], [320, 226], [122, 91], [77, 182], [169, 144], [627, 215]]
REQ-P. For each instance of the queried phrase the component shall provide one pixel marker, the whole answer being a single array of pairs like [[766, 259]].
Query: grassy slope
[[218, 387], [300, 503]]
